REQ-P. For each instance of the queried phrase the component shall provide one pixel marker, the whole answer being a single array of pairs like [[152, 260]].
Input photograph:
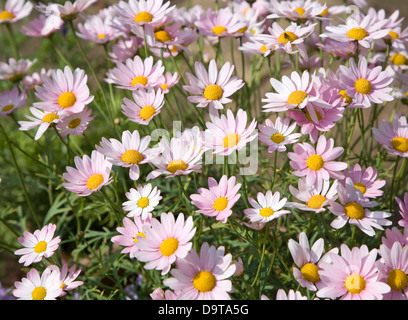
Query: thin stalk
[[13, 43]]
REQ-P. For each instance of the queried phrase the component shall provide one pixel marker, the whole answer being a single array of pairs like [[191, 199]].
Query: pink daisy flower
[[64, 92], [125, 48], [393, 270], [14, 70], [395, 235], [279, 134], [136, 73], [267, 207], [313, 198], [166, 241], [15, 10], [294, 92], [11, 100], [90, 174], [160, 294], [291, 295], [131, 152], [97, 30], [36, 27], [168, 80], [212, 88], [46, 286], [365, 85], [317, 164], [393, 138], [218, 200], [403, 210], [67, 279], [203, 276], [352, 275], [39, 244], [142, 201], [297, 10], [365, 180], [130, 233], [353, 208], [42, 120], [146, 105], [30, 81], [226, 134], [75, 124]]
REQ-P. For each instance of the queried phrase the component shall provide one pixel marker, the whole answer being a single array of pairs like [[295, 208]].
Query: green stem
[[12, 41]]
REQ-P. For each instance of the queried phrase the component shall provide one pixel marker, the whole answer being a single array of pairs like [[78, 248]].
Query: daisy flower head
[[46, 286], [30, 81], [314, 198], [70, 10], [393, 270], [39, 244], [11, 100], [228, 133], [68, 280], [351, 275], [90, 174], [64, 92], [218, 200], [36, 27], [136, 73], [279, 134], [365, 180], [124, 48], [289, 40], [317, 164], [299, 10], [14, 70], [97, 30], [74, 124], [354, 208], [403, 210], [212, 88], [131, 152], [160, 294], [254, 46], [365, 85], [220, 23], [42, 120], [179, 156], [142, 201], [165, 241], [168, 80], [266, 207], [394, 138], [15, 10], [203, 276], [291, 295], [145, 106], [129, 234], [393, 235], [294, 92]]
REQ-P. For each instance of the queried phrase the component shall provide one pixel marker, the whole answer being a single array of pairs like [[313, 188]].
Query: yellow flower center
[[74, 123], [242, 30], [143, 16], [213, 92], [220, 204], [278, 138], [16, 77], [39, 293], [308, 117], [397, 280], [218, 30], [363, 86], [360, 187], [139, 80], [231, 140], [204, 281], [357, 33], [266, 212], [354, 283], [393, 35], [315, 162], [132, 156], [263, 48], [310, 272], [325, 12], [140, 234], [400, 144], [345, 96], [4, 15], [177, 165], [163, 36], [101, 36], [398, 59], [316, 201], [94, 181], [169, 246], [66, 100], [50, 117], [143, 202], [40, 247], [300, 11], [354, 210], [287, 36], [147, 112], [297, 97], [8, 107], [164, 86]]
